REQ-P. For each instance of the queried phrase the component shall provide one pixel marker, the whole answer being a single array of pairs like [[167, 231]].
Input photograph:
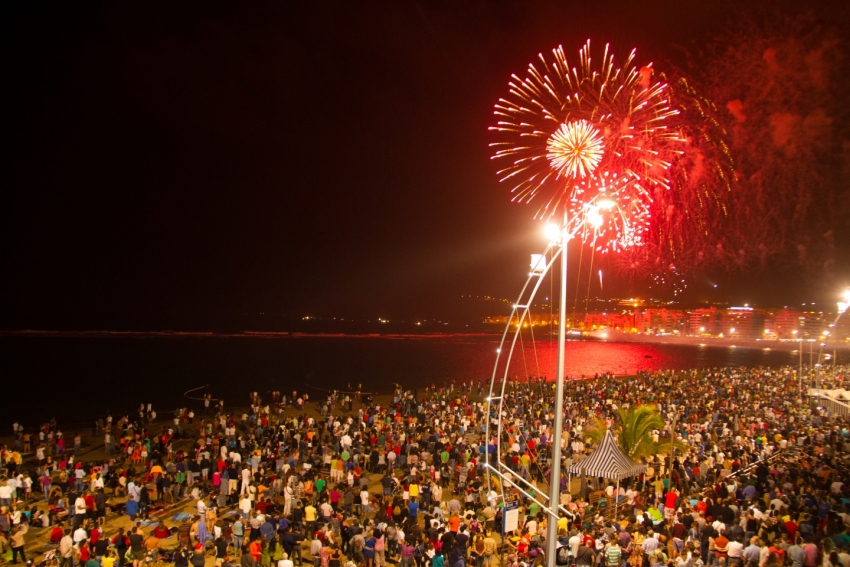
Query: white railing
[[831, 400]]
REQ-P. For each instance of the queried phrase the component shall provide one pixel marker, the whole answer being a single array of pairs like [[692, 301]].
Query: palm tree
[[633, 431]]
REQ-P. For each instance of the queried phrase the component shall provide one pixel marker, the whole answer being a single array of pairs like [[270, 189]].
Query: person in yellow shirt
[[108, 560], [563, 524], [524, 463], [310, 514]]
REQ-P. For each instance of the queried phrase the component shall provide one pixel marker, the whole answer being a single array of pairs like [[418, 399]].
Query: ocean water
[[79, 377]]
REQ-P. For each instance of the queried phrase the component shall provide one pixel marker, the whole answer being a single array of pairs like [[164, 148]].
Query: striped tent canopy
[[608, 461]]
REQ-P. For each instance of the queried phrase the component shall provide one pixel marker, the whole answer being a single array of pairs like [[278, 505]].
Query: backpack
[[562, 556], [418, 552]]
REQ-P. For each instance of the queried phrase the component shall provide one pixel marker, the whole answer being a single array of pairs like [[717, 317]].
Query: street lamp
[[800, 369], [842, 307], [672, 444]]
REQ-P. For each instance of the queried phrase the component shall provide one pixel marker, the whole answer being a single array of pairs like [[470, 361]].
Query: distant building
[[663, 320], [744, 322], [617, 321], [705, 321], [785, 324]]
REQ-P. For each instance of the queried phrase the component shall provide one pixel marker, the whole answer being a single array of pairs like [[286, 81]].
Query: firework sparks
[[574, 150], [593, 142]]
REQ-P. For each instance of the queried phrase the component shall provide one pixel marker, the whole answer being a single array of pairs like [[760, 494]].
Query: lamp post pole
[[672, 440], [800, 373], [555, 479]]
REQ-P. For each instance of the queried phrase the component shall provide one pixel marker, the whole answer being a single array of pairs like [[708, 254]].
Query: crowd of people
[[346, 480]]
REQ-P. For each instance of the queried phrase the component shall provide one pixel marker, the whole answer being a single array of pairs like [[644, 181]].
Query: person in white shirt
[[364, 501], [575, 542], [79, 510], [285, 561], [245, 507], [5, 494], [80, 534]]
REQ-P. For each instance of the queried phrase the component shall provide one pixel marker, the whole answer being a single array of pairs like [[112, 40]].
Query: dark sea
[[78, 378]]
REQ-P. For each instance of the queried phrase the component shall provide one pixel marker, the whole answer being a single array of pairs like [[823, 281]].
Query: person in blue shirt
[[413, 508], [132, 508]]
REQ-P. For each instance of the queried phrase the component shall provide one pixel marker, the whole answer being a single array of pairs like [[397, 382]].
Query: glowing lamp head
[[842, 307], [552, 232], [594, 218]]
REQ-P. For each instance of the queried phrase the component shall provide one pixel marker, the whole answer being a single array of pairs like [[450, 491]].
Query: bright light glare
[[606, 204], [846, 295], [842, 307], [552, 231], [594, 218]]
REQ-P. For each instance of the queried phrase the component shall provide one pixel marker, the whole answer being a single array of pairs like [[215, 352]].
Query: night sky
[[175, 162]]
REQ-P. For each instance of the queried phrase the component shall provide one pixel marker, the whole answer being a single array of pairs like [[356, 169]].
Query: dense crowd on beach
[[760, 480]]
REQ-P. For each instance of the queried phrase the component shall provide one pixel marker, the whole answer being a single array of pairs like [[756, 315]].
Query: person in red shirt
[[84, 552], [161, 531], [256, 550], [791, 527], [721, 545], [670, 505], [56, 534], [89, 500]]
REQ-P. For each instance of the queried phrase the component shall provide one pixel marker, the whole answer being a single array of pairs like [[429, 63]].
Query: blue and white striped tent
[[608, 461]]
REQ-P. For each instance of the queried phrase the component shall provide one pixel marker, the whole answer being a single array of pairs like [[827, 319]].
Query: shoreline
[[607, 336], [786, 345]]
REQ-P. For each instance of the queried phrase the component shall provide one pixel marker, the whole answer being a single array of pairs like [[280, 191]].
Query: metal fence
[[833, 406]]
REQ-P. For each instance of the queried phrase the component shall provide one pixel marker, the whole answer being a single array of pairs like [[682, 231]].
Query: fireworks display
[[592, 141], [636, 164]]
